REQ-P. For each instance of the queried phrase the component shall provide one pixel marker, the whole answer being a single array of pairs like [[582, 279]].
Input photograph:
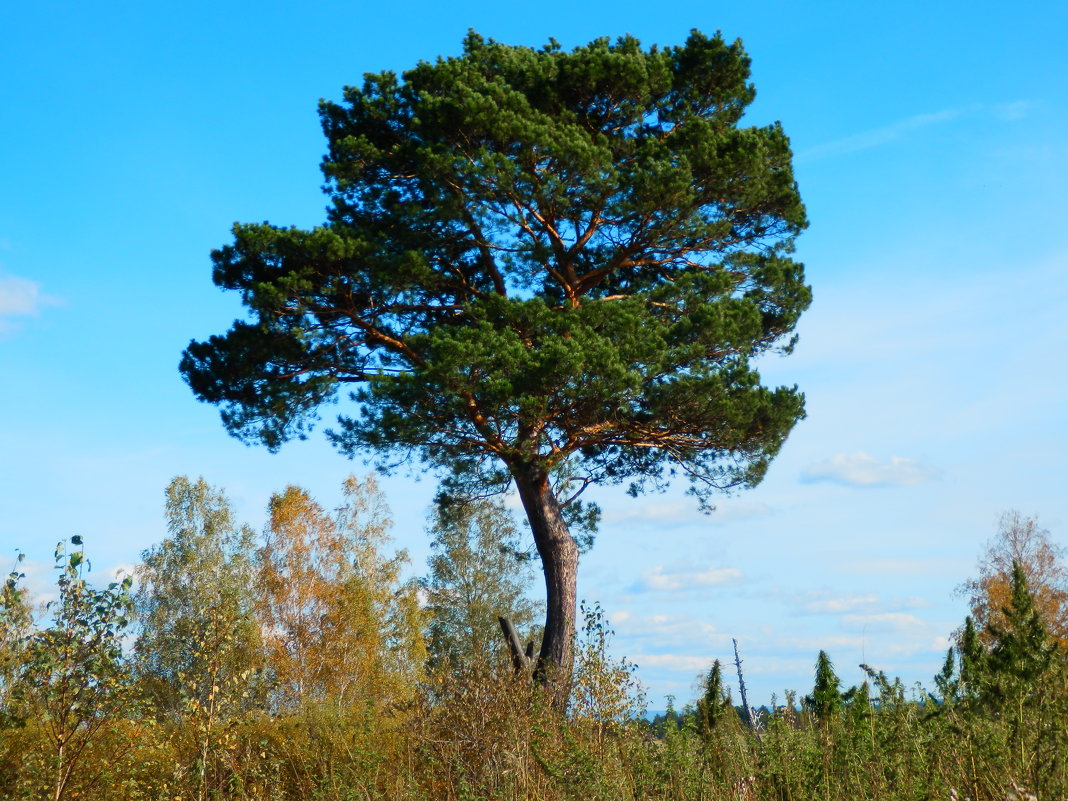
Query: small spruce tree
[[826, 698], [1022, 650], [948, 680], [715, 704], [972, 660]]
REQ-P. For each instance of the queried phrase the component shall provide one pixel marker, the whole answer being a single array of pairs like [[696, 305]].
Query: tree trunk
[[559, 559], [520, 659]]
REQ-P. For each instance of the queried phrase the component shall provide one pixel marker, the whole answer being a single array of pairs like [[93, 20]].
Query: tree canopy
[[536, 264]]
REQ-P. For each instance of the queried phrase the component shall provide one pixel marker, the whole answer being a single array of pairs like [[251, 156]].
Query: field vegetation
[[300, 664]]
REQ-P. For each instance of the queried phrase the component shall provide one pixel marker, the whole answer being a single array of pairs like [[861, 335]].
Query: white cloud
[[880, 136], [782, 667], [898, 129], [620, 616], [684, 662], [116, 572], [668, 513], [860, 469], [810, 644], [884, 621], [913, 602], [659, 632], [733, 512], [921, 566], [20, 297], [654, 512], [38, 580], [1013, 111], [941, 643], [656, 578], [822, 602], [834, 606]]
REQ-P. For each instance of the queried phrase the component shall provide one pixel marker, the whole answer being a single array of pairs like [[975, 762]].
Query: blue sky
[[931, 146]]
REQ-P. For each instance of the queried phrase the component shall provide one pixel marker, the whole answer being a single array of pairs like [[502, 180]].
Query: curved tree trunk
[[559, 559]]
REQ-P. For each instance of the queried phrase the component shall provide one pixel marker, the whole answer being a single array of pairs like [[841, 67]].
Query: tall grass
[[488, 735], [996, 727]]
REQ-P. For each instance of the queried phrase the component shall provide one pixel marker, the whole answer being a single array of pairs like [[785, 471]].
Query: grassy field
[[188, 691], [487, 737], [485, 734]]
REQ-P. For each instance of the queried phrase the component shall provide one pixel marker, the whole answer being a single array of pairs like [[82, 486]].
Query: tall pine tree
[[539, 267]]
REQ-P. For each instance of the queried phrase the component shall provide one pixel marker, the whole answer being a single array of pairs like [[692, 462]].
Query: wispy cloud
[[684, 662], [837, 606], [654, 513], [680, 512], [657, 578], [20, 297], [861, 469], [1016, 110], [920, 566], [899, 129], [38, 581], [660, 633], [812, 643], [112, 573], [824, 602], [892, 640], [941, 643], [879, 136], [885, 621], [620, 616], [39, 578]]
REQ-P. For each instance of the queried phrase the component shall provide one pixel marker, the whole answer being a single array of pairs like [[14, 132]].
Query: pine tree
[[948, 680], [1012, 656], [537, 264]]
